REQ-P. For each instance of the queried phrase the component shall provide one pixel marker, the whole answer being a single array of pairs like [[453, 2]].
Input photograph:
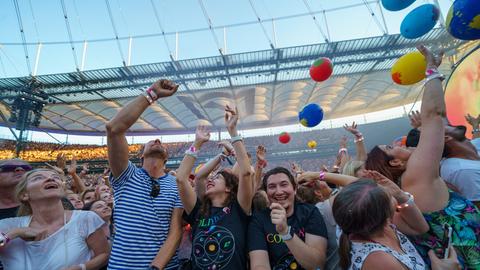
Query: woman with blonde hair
[[44, 235]]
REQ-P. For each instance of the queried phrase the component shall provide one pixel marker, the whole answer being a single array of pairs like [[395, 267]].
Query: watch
[[289, 235]]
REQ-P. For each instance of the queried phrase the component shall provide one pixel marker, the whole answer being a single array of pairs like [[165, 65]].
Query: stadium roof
[[269, 87]]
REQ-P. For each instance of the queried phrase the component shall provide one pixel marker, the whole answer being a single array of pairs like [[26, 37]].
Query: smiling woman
[[73, 238]]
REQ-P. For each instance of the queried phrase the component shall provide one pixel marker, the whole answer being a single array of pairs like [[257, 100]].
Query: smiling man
[[289, 235], [148, 210]]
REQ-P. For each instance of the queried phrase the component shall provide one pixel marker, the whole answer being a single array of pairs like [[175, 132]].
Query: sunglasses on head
[[14, 168], [155, 189]]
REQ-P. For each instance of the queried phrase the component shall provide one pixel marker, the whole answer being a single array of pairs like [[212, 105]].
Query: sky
[[293, 25]]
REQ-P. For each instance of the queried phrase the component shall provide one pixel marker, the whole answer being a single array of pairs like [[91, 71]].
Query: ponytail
[[344, 251]]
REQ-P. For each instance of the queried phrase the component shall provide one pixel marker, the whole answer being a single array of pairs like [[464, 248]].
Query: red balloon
[[321, 69], [284, 138]]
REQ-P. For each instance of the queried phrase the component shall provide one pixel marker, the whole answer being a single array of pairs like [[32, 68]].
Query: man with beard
[[148, 210]]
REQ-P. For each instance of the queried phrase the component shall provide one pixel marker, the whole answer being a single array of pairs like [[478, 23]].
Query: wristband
[[236, 139], [4, 239], [359, 140], [148, 97], [342, 150], [431, 71], [434, 76], [289, 235], [406, 204], [261, 164], [322, 176], [192, 151], [83, 266], [358, 135], [152, 93]]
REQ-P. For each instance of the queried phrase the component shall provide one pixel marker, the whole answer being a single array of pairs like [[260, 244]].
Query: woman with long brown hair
[[44, 235], [219, 222]]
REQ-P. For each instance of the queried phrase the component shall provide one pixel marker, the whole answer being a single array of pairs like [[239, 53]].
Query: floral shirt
[[464, 218]]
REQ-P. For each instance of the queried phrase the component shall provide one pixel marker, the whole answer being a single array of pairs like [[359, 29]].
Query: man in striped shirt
[[148, 210]]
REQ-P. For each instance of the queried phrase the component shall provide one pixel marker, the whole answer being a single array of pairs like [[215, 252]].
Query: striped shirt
[[141, 221]]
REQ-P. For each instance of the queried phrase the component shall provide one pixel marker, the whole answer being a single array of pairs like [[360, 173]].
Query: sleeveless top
[[464, 218], [410, 258]]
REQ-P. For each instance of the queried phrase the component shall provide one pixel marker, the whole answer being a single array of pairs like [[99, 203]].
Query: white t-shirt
[[64, 248], [464, 174]]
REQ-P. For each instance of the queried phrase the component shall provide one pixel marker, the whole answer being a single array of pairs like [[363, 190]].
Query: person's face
[[106, 197], [216, 185], [89, 197], [280, 190], [43, 185], [155, 149], [102, 209], [11, 173], [456, 132], [75, 200], [103, 189], [401, 153]]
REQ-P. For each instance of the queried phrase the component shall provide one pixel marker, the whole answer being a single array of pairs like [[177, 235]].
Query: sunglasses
[[155, 189], [15, 168]]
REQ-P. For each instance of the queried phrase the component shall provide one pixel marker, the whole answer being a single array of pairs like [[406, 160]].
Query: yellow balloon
[[312, 144], [409, 69]]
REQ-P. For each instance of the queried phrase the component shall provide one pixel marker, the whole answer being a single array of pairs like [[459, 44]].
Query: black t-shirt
[[219, 240], [262, 234]]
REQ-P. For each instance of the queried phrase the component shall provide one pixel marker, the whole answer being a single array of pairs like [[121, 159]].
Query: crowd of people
[[412, 204]]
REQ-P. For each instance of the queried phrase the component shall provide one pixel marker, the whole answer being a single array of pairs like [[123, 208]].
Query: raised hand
[[261, 153], [415, 119], [352, 129], [202, 135], [388, 185], [343, 142], [433, 60], [474, 122], [231, 119], [164, 88], [72, 169], [279, 218], [227, 146], [61, 161], [307, 177], [297, 169]]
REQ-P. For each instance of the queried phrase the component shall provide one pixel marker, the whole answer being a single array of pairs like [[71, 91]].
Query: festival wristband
[[152, 93], [322, 175], [148, 97], [236, 139]]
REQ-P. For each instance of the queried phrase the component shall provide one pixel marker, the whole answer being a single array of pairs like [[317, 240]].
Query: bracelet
[[406, 204], [358, 135], [236, 139], [434, 76], [4, 239], [322, 176], [342, 150], [431, 71], [262, 164], [83, 266], [152, 93], [359, 140], [148, 97]]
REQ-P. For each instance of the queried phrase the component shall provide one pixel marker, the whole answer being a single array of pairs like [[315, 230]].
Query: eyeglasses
[[155, 189], [15, 168]]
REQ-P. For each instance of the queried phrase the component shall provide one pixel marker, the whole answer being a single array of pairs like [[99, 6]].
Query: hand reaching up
[[164, 88], [415, 119], [202, 135], [474, 122], [231, 119], [433, 60]]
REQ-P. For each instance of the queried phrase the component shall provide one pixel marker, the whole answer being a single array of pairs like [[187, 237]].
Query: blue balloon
[[396, 5], [310, 115], [419, 21], [463, 19]]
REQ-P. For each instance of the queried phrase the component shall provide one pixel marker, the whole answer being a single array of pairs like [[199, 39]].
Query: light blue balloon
[[419, 21], [396, 5]]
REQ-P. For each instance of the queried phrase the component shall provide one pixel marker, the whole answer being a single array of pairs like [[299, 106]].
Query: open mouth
[[51, 186], [280, 198]]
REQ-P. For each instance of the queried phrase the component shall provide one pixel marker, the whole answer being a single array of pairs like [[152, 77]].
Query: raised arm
[[116, 141], [186, 191], [77, 181], [261, 163], [332, 178], [245, 177], [422, 172], [204, 172], [360, 146], [475, 123]]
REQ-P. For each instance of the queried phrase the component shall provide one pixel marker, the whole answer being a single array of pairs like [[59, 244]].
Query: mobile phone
[[447, 240]]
